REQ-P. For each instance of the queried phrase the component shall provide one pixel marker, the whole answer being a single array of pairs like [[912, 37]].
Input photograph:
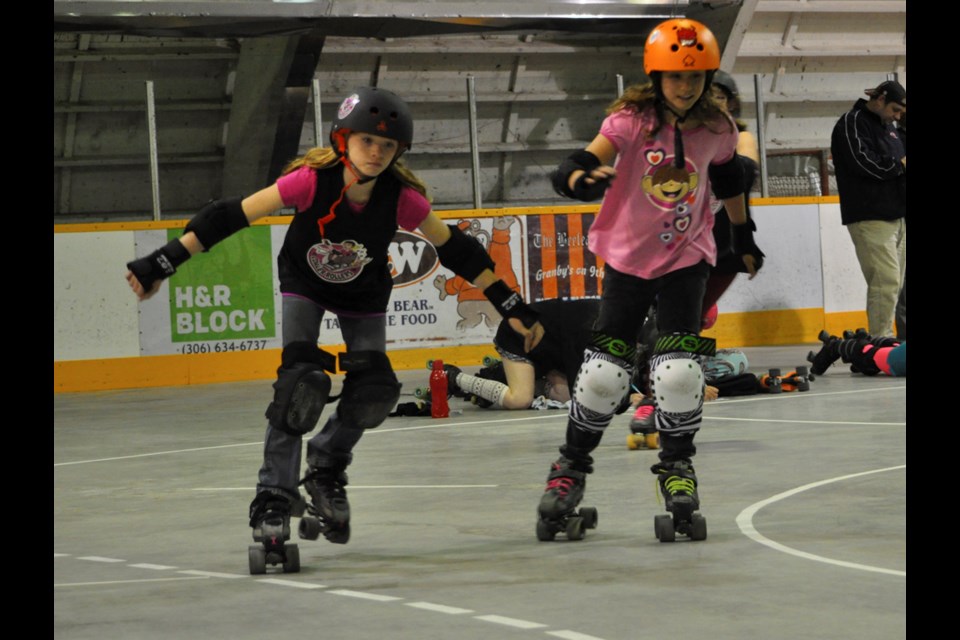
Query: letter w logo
[[406, 256]]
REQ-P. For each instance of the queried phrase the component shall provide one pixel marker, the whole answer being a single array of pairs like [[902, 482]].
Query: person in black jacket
[[350, 199], [870, 160]]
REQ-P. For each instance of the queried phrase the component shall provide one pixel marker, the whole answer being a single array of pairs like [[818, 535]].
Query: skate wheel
[[635, 441], [340, 535], [309, 528], [429, 364], [291, 564], [422, 393], [575, 529], [663, 527], [698, 527], [545, 532], [653, 440], [589, 515], [257, 557], [489, 361]]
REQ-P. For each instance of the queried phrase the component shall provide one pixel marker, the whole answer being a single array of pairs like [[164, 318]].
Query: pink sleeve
[[412, 208], [298, 188], [729, 148]]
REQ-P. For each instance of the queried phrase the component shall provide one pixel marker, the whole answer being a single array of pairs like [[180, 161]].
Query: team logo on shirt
[[337, 262]]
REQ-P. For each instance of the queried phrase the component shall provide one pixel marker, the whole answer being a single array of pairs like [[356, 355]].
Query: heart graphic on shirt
[[666, 237], [655, 157], [681, 224]]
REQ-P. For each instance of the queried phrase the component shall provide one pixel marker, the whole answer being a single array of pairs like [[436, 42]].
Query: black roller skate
[[678, 484], [558, 506], [643, 428], [328, 512], [828, 354], [270, 518]]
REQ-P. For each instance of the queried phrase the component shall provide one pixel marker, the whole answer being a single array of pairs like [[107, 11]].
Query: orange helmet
[[681, 44]]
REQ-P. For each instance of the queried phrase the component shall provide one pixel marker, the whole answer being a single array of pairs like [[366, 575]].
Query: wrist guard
[[464, 255], [742, 244], [217, 221], [509, 304], [584, 161], [159, 265]]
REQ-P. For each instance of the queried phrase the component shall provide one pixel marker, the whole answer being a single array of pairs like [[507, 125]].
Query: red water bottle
[[438, 391]]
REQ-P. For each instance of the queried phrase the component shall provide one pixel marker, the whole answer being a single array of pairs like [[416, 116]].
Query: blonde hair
[[639, 97], [325, 157]]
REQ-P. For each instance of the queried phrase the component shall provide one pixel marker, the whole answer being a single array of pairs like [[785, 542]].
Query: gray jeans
[[334, 444]]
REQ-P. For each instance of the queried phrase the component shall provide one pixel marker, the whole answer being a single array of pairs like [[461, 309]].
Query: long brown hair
[[639, 97], [324, 157]]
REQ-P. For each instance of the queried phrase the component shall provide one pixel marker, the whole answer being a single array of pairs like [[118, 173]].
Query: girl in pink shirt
[[663, 147]]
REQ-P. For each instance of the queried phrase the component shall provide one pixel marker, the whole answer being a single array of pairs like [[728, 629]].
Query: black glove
[[160, 264], [509, 304], [742, 244]]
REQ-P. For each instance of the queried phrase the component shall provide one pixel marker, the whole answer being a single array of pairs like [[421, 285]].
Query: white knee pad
[[678, 384], [601, 385]]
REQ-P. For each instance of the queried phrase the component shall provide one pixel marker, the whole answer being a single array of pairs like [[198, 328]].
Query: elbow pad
[[726, 179], [464, 255], [217, 221], [581, 160]]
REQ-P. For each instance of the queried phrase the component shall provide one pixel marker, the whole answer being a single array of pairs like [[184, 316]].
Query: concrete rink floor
[[804, 496]]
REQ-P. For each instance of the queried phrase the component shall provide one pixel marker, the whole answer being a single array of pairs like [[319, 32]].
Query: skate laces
[[562, 484], [679, 484], [643, 412]]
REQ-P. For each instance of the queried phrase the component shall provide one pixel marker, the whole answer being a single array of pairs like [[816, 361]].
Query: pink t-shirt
[[298, 189], [656, 218]]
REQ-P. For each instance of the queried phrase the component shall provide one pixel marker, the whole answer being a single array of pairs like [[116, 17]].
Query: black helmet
[[375, 111], [726, 81], [729, 86]]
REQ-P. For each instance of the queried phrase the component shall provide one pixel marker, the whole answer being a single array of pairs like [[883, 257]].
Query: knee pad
[[602, 382], [370, 391], [302, 388], [678, 381]]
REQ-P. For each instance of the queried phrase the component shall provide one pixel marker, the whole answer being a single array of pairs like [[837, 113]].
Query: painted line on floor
[[100, 559], [571, 635], [212, 574], [745, 522], [541, 415], [511, 622], [438, 608], [156, 453], [194, 574], [60, 555], [868, 424], [113, 582], [292, 583], [363, 595]]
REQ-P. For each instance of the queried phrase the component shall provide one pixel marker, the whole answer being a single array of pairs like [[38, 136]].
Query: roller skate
[[678, 484], [328, 511], [270, 518], [827, 355], [558, 506], [643, 429]]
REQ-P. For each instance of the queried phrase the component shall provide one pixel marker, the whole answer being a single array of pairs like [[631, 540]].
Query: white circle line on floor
[[868, 424], [377, 598], [745, 522]]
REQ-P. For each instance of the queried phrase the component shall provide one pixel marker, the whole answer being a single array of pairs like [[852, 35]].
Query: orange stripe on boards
[[577, 278], [548, 256]]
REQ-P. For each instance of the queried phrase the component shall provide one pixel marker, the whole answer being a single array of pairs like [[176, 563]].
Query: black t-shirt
[[348, 268]]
